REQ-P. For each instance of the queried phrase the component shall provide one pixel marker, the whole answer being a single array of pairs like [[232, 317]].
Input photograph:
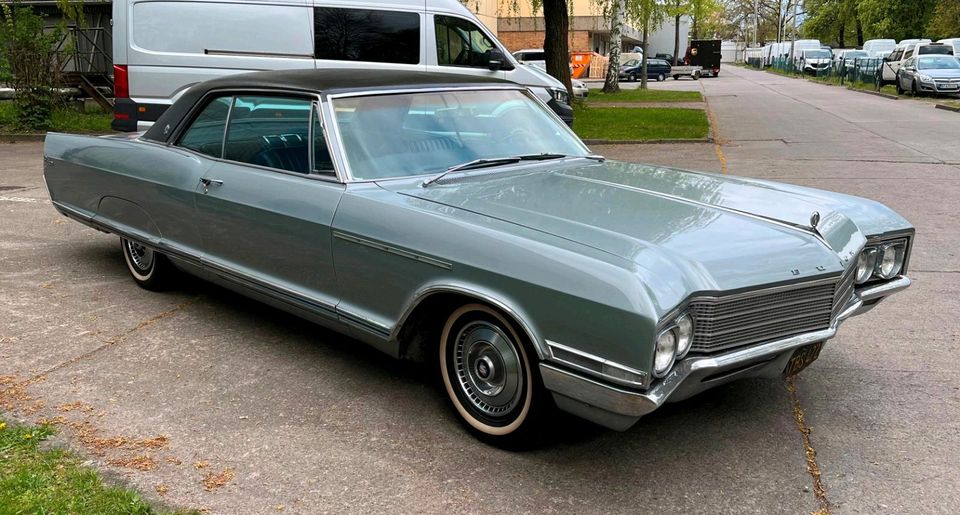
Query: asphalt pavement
[[203, 399]]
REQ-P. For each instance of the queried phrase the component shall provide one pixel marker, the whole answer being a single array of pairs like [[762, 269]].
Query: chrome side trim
[[601, 362], [392, 250]]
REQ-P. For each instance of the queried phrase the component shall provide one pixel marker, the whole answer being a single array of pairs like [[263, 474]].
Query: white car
[[580, 89], [815, 61]]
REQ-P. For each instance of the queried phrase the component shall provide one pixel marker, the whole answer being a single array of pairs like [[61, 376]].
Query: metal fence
[[861, 72]]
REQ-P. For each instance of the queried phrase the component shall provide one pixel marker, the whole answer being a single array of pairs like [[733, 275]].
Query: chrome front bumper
[[619, 408]]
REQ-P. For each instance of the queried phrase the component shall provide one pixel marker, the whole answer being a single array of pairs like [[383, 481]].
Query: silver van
[[163, 47]]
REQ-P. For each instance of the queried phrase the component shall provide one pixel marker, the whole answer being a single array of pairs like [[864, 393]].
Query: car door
[[266, 207], [459, 46]]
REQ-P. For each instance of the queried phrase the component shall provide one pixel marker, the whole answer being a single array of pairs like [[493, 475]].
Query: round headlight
[[665, 353], [890, 261], [684, 335], [865, 265]]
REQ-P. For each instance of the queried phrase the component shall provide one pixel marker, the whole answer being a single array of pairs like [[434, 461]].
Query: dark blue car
[[656, 69]]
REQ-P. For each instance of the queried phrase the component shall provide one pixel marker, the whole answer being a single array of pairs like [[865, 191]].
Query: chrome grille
[[724, 323]]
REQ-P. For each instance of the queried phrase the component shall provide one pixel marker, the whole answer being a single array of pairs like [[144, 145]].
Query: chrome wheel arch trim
[[493, 299]]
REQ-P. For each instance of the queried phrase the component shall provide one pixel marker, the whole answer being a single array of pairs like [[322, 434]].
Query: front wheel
[[489, 376], [900, 89], [913, 88], [633, 78], [149, 269]]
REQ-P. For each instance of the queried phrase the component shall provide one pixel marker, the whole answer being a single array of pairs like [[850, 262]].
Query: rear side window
[[366, 35], [205, 134], [461, 43], [271, 132]]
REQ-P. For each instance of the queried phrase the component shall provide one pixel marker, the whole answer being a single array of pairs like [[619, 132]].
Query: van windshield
[[816, 54]]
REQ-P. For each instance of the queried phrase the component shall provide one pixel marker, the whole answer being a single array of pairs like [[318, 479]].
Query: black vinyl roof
[[323, 81]]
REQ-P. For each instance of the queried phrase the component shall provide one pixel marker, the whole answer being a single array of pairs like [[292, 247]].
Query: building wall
[[579, 40]]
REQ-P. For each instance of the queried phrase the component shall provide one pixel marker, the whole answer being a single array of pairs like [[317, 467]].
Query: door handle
[[207, 182]]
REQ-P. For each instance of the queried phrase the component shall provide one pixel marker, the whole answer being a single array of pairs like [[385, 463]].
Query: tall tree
[[649, 13], [556, 46], [678, 9], [618, 10], [945, 22], [895, 19]]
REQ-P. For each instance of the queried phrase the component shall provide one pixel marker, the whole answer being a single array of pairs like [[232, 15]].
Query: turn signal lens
[[665, 353], [684, 335], [865, 264]]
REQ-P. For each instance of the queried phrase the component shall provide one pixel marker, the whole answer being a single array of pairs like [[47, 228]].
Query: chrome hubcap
[[488, 368], [140, 256]]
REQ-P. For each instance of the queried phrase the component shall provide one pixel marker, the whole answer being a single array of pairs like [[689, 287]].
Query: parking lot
[[250, 410]]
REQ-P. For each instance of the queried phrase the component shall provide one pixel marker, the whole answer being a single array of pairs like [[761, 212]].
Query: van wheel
[[490, 376], [149, 269]]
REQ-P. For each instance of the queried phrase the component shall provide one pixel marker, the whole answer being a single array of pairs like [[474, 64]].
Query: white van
[[879, 47], [796, 51], [163, 47], [953, 42]]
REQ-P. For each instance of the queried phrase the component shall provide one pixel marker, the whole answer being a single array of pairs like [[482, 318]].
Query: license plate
[[947, 86], [802, 357]]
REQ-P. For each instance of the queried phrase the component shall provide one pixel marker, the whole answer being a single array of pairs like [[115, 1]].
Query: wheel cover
[[488, 369], [140, 256]]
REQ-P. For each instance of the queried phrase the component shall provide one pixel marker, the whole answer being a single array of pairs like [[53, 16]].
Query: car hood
[[941, 74], [709, 232]]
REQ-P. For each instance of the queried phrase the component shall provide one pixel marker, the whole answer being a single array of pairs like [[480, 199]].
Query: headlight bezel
[[681, 325], [876, 250], [560, 95]]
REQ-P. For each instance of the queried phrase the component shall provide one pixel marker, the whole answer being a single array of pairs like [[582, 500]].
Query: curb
[[14, 138], [875, 93], [645, 141], [947, 108]]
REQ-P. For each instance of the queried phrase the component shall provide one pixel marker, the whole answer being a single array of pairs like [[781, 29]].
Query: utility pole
[[756, 22]]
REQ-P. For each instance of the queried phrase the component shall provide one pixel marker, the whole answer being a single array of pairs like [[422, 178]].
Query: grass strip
[[640, 124]]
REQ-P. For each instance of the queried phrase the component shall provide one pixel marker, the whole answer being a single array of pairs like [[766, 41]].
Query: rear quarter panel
[[144, 189]]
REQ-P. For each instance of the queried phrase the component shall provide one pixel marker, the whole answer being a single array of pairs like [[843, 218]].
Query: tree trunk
[[612, 83], [556, 47], [643, 67], [843, 29], [859, 32], [676, 39]]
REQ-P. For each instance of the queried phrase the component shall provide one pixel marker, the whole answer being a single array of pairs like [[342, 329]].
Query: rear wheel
[[149, 268], [661, 78], [489, 376]]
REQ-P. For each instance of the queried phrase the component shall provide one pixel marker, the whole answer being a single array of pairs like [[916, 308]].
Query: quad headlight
[[673, 343], [881, 261]]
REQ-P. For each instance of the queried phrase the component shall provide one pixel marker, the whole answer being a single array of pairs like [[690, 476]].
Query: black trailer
[[704, 53]]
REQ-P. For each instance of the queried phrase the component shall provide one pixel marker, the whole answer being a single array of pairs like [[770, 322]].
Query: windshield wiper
[[497, 161]]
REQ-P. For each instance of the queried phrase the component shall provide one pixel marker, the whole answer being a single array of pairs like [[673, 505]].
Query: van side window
[[366, 35], [205, 134], [461, 43], [269, 131]]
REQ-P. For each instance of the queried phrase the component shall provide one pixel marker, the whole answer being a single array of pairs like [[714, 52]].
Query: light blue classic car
[[462, 224]]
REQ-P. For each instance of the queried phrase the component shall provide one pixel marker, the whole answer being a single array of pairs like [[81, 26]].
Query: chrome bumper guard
[[619, 408]]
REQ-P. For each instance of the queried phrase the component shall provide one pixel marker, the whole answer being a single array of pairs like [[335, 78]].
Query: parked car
[[666, 57], [657, 69], [879, 47], [456, 220], [797, 48], [162, 48], [815, 61], [530, 55], [580, 89], [905, 50], [935, 74]]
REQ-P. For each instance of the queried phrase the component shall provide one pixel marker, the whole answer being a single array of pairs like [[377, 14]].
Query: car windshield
[[630, 63], [938, 62], [816, 54], [411, 134]]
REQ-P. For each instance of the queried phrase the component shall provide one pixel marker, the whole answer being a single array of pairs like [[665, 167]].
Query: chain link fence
[[860, 72]]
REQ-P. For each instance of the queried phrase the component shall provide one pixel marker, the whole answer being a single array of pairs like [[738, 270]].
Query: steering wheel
[[519, 136]]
